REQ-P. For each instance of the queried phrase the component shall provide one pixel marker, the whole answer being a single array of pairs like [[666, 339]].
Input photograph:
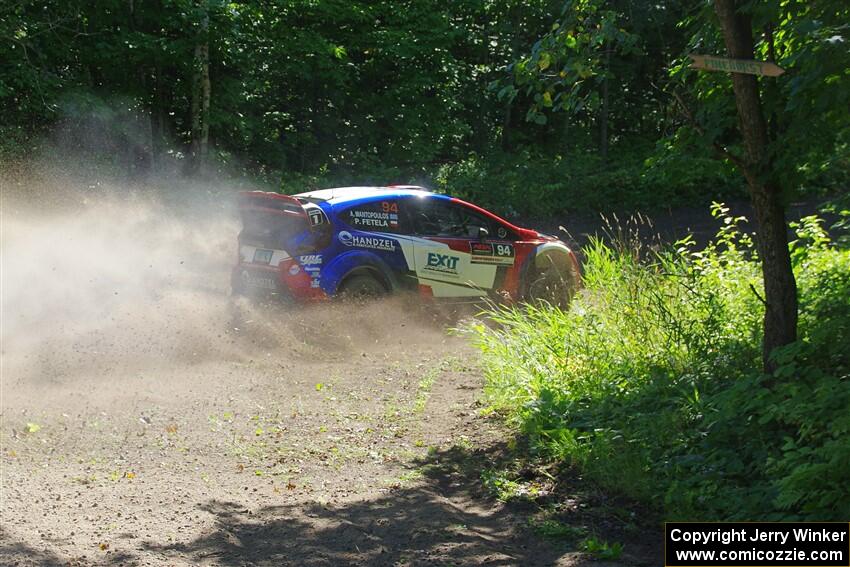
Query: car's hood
[[544, 236]]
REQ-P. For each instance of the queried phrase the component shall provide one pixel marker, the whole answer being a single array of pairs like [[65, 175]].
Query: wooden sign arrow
[[709, 63]]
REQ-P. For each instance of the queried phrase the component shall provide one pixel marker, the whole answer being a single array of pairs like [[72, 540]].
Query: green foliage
[[609, 65], [601, 549], [501, 484], [651, 383], [567, 65], [807, 108], [537, 107], [554, 529], [299, 88], [601, 62], [637, 176]]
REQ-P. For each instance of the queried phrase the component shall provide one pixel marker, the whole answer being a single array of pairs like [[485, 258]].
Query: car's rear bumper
[[287, 282]]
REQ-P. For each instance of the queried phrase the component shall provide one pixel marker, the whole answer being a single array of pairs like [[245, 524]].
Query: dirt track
[[149, 419], [285, 457]]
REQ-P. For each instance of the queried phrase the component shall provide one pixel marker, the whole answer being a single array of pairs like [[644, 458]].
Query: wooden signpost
[[709, 63]]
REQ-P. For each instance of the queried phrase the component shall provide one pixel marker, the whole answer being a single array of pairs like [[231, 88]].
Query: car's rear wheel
[[361, 287], [552, 280]]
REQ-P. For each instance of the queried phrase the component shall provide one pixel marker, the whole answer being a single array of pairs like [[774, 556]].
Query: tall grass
[[650, 383]]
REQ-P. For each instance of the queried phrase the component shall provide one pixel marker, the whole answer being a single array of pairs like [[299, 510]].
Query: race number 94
[[504, 250]]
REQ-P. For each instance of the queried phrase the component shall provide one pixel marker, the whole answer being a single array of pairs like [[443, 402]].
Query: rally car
[[367, 241]]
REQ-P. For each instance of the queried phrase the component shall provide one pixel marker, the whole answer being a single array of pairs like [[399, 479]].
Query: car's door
[[374, 231], [454, 252]]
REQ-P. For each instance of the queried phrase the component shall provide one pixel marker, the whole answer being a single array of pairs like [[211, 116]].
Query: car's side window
[[450, 220], [386, 215]]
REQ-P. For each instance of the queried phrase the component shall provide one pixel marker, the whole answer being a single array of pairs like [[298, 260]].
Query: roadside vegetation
[[661, 384], [651, 384]]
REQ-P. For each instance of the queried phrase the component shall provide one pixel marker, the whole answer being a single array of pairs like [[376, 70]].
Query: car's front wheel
[[552, 280]]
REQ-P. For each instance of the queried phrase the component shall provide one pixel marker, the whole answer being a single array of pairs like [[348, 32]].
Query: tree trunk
[[780, 289], [505, 141], [603, 112], [157, 118], [201, 97], [158, 110], [140, 152], [512, 15]]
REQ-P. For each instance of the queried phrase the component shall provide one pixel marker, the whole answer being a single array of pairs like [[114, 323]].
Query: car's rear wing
[[281, 222], [270, 203], [272, 221]]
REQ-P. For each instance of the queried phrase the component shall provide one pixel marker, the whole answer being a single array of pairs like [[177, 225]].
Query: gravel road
[[146, 418]]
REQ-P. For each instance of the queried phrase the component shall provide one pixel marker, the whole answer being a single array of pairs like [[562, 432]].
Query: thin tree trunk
[[141, 153], [196, 111], [780, 288], [157, 118], [505, 141], [201, 97], [603, 113], [205, 97], [157, 114], [508, 116]]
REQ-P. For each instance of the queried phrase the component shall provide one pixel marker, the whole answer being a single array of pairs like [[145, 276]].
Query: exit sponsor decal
[[445, 264]]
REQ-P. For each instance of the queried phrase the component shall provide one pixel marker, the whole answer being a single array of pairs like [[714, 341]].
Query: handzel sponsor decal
[[374, 219], [443, 263], [373, 242]]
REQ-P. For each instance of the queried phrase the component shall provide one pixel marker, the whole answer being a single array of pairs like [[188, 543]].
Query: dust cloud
[[105, 279], [118, 281]]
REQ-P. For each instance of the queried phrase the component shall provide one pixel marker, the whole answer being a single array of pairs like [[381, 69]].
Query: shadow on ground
[[445, 518], [10, 548]]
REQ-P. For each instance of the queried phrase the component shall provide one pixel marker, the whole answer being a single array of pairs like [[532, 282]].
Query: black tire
[[553, 280], [360, 288]]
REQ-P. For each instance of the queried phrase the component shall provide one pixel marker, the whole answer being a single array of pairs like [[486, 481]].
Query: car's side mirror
[[483, 233]]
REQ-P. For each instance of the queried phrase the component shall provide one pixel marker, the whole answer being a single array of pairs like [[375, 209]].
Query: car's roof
[[338, 195]]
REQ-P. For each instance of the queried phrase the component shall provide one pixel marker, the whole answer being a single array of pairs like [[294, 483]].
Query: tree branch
[[758, 296], [696, 126]]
